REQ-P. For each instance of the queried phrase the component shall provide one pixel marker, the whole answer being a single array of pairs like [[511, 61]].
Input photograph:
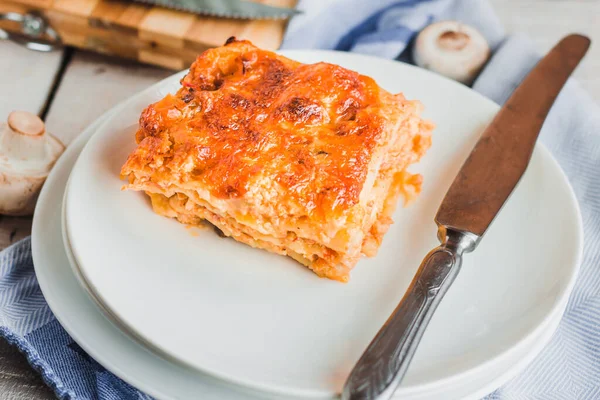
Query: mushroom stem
[[453, 40], [24, 142]]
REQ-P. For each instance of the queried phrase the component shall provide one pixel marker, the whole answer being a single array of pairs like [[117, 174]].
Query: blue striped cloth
[[27, 322], [569, 368]]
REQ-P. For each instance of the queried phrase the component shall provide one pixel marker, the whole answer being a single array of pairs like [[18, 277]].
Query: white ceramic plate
[[262, 321], [509, 365], [166, 380]]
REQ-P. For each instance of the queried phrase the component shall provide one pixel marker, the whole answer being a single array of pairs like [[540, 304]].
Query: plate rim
[[282, 390]]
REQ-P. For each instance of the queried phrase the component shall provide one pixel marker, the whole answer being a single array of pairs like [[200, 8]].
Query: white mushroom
[[27, 153], [452, 49]]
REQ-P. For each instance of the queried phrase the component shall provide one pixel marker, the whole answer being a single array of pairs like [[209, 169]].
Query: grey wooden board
[[546, 21], [26, 78], [93, 84], [17, 379]]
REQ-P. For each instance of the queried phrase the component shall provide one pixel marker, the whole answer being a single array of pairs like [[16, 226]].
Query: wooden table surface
[[72, 88]]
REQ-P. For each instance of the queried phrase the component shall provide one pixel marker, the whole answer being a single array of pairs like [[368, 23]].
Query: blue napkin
[[569, 368], [27, 322]]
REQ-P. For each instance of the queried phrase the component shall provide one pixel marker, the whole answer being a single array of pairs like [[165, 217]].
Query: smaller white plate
[[260, 320], [158, 377]]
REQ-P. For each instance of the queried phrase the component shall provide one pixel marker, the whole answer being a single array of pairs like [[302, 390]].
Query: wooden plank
[[263, 34], [109, 41], [13, 229], [166, 26], [26, 78], [93, 84], [38, 3], [87, 23], [210, 31], [546, 22], [155, 58], [82, 8], [17, 380], [133, 15], [109, 11]]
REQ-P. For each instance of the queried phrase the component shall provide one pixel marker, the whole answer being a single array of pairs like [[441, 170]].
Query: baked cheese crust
[[305, 160]]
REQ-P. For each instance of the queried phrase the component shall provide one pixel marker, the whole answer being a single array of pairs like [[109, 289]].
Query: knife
[[482, 186], [240, 9]]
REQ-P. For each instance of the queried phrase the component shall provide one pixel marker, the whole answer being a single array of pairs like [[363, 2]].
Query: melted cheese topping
[[278, 146]]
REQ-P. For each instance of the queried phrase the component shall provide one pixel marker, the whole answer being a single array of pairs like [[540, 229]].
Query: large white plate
[[164, 379], [262, 321]]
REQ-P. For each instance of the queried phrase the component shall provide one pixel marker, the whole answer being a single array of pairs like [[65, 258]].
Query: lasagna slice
[[303, 160]]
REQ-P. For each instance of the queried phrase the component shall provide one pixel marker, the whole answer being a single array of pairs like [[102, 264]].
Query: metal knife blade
[[502, 154], [477, 194], [239, 9]]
